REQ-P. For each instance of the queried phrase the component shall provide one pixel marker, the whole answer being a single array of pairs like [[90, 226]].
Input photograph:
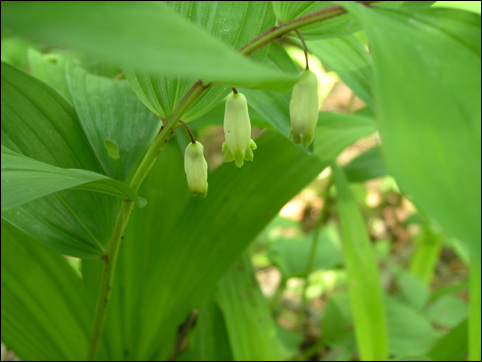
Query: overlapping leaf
[[180, 246], [234, 23], [39, 123], [116, 123], [428, 97], [25, 179], [44, 313], [148, 36]]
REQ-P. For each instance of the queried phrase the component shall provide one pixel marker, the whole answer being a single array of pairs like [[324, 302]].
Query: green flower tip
[[304, 109], [196, 169], [237, 131]]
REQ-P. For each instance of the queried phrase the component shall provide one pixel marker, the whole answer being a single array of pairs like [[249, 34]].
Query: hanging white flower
[[304, 109], [237, 131]]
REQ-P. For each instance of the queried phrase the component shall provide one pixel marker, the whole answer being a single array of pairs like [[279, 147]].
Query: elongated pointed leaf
[[25, 179], [39, 123], [366, 166], [44, 314], [366, 296], [249, 322], [148, 36], [234, 23], [337, 131], [348, 58], [116, 123], [428, 98], [210, 337], [179, 246]]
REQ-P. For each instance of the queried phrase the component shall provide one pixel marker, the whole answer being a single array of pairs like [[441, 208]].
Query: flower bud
[[196, 169], [237, 131], [304, 109]]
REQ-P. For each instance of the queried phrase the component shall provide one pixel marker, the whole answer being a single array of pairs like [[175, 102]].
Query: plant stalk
[[110, 257]]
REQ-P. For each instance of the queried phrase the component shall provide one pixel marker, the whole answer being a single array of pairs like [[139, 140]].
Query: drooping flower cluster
[[239, 146]]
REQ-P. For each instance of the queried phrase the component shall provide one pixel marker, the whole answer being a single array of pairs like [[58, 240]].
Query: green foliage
[[93, 99]]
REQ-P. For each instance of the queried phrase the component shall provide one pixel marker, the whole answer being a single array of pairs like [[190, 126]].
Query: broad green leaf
[[15, 50], [44, 314], [291, 255], [336, 131], [116, 123], [39, 123], [410, 332], [447, 311], [234, 23], [428, 100], [367, 166], [366, 295], [348, 58], [25, 179], [148, 36], [452, 346], [273, 106], [179, 246], [50, 68], [210, 338], [249, 323]]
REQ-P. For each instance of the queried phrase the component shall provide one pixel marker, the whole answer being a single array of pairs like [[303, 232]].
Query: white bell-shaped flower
[[237, 130], [196, 169], [304, 109]]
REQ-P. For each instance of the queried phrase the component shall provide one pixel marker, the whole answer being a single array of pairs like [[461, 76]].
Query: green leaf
[[336, 131], [348, 58], [447, 311], [233, 23], [180, 246], [273, 106], [249, 323], [290, 255], [140, 35], [367, 166], [452, 346], [50, 68], [366, 295], [44, 314], [210, 338], [25, 179], [410, 331], [39, 123], [116, 123], [428, 97]]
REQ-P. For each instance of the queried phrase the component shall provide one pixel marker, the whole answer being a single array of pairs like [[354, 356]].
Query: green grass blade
[[248, 318], [366, 296]]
